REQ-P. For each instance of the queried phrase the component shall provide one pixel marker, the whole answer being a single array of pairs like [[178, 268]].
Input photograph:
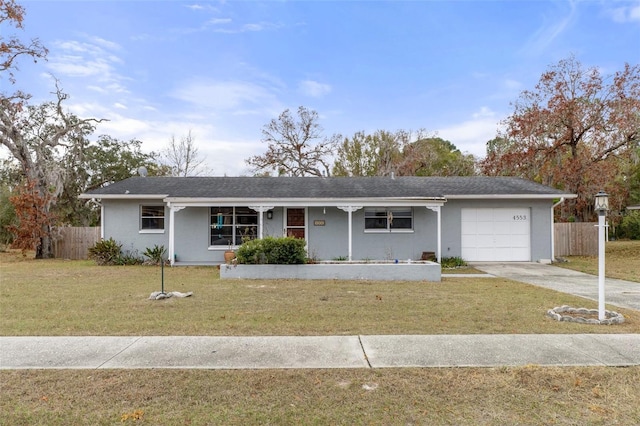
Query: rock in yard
[[158, 295]]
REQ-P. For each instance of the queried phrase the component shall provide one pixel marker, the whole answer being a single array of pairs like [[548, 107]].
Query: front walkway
[[208, 352], [624, 294]]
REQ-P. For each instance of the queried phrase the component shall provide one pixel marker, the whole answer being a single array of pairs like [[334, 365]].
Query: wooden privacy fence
[[73, 242], [576, 239]]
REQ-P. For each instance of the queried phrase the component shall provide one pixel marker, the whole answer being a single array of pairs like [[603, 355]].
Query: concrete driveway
[[624, 294]]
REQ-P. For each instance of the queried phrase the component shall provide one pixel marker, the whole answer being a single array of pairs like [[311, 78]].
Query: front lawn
[[622, 261], [57, 297], [528, 395]]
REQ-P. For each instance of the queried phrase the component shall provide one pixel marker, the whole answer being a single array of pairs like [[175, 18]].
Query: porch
[[333, 229]]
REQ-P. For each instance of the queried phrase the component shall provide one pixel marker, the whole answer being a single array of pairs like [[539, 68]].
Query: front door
[[295, 223]]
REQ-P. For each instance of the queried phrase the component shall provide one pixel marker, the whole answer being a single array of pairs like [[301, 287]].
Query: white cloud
[[106, 44], [93, 59], [627, 13], [126, 128], [551, 28], [512, 84], [222, 156], [250, 27], [198, 7], [76, 66], [471, 136], [485, 112], [218, 21], [313, 88], [225, 95], [253, 27]]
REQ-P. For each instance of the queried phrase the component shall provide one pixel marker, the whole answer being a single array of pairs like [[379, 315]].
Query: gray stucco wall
[[192, 236], [328, 241], [122, 223], [331, 241], [540, 224]]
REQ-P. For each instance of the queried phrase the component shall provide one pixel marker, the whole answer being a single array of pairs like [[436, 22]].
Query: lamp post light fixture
[[601, 206]]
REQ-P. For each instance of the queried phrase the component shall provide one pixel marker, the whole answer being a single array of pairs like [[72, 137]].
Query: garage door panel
[[484, 241], [469, 228], [502, 228], [485, 255], [469, 241], [484, 215], [519, 241], [521, 228], [486, 229], [502, 241], [501, 253], [508, 215], [520, 253], [469, 253], [499, 234]]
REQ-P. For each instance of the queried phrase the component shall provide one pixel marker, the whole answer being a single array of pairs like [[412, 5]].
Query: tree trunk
[[45, 248]]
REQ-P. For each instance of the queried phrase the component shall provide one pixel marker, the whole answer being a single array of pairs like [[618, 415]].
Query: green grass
[[55, 297], [622, 261]]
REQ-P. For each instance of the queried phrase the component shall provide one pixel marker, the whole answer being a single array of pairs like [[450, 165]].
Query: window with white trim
[[152, 218], [383, 219], [232, 225]]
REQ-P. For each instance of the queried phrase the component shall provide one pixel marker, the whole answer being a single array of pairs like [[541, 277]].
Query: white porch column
[[172, 211], [260, 210], [350, 210], [439, 239]]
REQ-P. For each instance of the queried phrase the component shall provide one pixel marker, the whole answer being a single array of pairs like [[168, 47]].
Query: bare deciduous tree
[[42, 139], [183, 158], [12, 47], [296, 146]]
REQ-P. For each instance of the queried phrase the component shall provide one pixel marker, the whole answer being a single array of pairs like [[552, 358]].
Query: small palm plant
[[155, 254]]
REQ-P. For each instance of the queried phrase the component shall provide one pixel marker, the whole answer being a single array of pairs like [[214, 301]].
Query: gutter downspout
[[553, 230]]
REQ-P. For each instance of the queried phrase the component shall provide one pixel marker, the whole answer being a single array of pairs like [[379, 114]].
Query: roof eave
[[509, 196], [309, 202], [123, 196]]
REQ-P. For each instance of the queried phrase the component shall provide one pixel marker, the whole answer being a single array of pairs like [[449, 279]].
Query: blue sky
[[223, 69]]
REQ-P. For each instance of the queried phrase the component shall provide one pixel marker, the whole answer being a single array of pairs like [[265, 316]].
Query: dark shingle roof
[[334, 187]]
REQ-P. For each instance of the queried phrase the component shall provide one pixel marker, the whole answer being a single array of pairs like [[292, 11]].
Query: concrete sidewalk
[[625, 294], [203, 352]]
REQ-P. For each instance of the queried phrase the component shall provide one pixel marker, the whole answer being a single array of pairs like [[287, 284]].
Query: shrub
[[281, 250], [452, 262], [155, 254], [630, 226], [106, 252], [130, 258]]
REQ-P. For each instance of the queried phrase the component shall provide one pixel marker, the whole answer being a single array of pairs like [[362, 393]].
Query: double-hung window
[[383, 219], [152, 218], [232, 225]]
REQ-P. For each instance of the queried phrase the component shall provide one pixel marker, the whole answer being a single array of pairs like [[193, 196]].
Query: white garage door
[[490, 235]]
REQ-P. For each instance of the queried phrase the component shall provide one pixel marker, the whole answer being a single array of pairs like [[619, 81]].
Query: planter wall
[[422, 271]]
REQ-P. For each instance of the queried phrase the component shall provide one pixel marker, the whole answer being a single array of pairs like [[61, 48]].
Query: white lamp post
[[601, 206]]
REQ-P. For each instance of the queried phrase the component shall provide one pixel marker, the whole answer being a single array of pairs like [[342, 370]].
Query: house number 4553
[[520, 217]]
